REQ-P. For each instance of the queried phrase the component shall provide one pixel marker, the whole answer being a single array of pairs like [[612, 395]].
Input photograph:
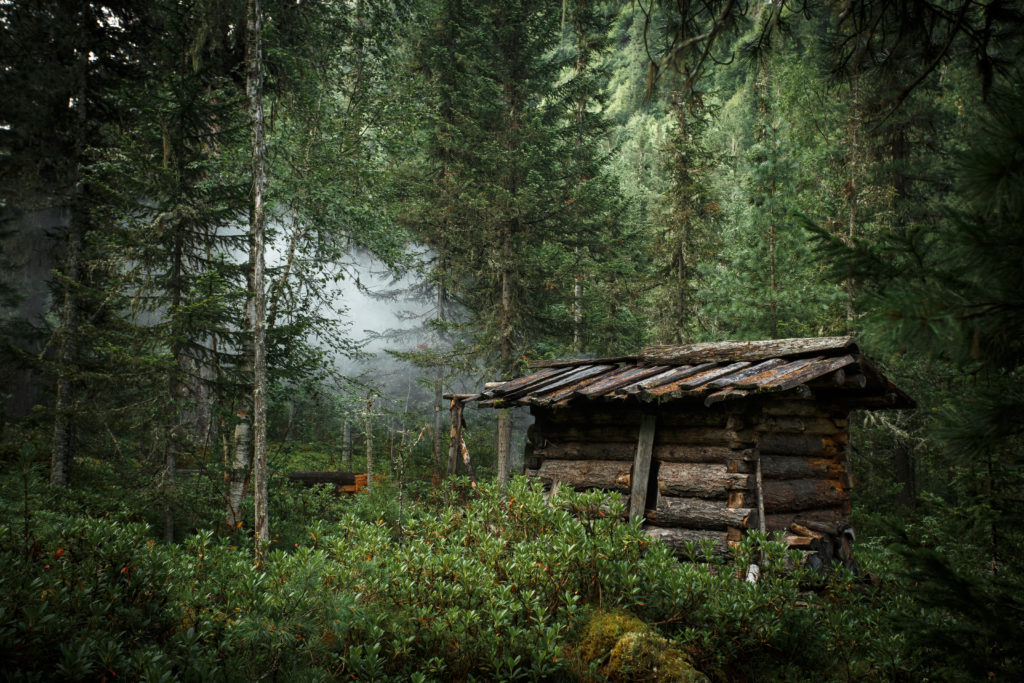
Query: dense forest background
[[246, 237]]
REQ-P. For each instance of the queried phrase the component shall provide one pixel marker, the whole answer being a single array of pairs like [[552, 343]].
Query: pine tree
[[64, 64]]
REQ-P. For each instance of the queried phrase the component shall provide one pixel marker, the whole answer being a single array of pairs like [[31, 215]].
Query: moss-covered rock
[[621, 647]]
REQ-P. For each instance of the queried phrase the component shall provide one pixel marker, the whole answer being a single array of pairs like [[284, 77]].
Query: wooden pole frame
[[641, 467]]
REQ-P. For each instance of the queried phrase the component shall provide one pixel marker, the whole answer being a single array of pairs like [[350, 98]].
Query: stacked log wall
[[705, 461]]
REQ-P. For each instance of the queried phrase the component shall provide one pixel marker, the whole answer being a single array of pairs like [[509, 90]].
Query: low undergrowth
[[454, 584]]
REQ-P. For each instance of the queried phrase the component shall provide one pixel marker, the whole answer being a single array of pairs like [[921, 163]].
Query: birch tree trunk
[[257, 300]]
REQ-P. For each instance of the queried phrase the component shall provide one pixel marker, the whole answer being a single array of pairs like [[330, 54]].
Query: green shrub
[[450, 584]]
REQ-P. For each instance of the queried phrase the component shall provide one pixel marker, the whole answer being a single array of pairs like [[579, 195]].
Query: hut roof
[[831, 367]]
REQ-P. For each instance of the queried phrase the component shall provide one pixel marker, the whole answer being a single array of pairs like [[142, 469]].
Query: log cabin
[[708, 441]]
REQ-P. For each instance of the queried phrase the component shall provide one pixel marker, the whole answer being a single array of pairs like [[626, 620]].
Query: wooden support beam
[[641, 467]]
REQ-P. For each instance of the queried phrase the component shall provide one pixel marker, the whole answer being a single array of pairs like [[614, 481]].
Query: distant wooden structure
[[708, 440], [343, 482]]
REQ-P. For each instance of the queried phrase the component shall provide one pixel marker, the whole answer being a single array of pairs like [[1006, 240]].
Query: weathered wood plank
[[802, 444], [797, 408], [829, 520], [811, 371], [795, 495], [802, 425], [576, 362], [788, 467], [579, 450], [591, 415], [588, 474], [641, 467], [700, 480], [745, 350], [609, 383], [695, 513], [504, 388], [710, 436], [552, 381], [753, 371]]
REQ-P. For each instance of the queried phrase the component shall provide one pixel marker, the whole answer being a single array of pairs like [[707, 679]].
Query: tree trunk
[[903, 464], [346, 443], [505, 348], [63, 423], [257, 302], [437, 440], [369, 447], [67, 357], [241, 458]]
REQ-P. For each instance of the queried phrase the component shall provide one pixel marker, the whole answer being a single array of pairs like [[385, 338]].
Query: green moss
[[621, 647], [603, 631]]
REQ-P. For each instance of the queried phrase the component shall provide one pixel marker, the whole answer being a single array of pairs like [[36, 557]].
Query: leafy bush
[[451, 584]]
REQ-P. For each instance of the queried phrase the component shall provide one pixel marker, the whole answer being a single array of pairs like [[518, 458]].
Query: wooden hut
[[708, 440]]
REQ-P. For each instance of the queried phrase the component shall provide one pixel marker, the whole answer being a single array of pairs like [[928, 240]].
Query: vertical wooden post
[[760, 494], [455, 436], [641, 468]]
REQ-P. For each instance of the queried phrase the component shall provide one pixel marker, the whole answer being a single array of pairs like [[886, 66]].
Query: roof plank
[[746, 350]]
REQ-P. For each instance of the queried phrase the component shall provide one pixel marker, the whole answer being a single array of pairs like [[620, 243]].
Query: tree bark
[[454, 437], [504, 446], [346, 442], [67, 357], [588, 474], [794, 495], [437, 441], [257, 300], [700, 480], [369, 445], [695, 513]]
